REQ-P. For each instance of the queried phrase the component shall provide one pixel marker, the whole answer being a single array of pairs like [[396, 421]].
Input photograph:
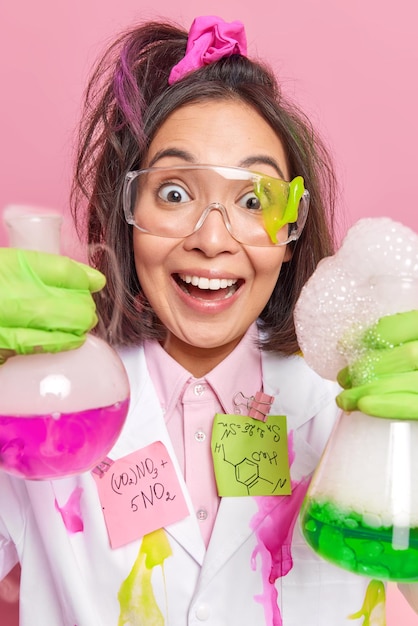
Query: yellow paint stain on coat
[[136, 596], [374, 605]]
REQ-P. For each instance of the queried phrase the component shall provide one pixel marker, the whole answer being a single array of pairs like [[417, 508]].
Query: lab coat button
[[202, 612], [199, 389], [201, 515], [200, 435]]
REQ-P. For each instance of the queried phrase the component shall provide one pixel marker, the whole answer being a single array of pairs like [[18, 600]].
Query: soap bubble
[[374, 273]]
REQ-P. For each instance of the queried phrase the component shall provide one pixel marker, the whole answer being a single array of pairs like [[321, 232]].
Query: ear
[[287, 254]]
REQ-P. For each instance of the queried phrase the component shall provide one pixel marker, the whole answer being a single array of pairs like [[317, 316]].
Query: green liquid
[[345, 540]]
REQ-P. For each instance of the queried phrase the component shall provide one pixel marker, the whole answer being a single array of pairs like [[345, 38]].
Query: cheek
[[153, 284], [149, 252], [150, 275], [265, 278], [267, 264], [148, 261], [152, 263]]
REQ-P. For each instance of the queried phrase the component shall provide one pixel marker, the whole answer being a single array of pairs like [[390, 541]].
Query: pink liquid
[[56, 445]]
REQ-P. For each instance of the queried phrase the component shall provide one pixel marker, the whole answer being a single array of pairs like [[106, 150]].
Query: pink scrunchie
[[210, 39]]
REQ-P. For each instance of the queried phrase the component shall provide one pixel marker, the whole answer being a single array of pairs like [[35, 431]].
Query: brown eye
[[250, 201], [173, 193]]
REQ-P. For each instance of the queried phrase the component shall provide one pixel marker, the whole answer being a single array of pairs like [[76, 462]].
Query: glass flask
[[60, 414], [361, 508]]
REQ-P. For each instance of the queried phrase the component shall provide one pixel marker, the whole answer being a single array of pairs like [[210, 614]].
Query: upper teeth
[[208, 283]]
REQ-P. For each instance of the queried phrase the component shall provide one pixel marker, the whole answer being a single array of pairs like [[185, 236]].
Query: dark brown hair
[[127, 100]]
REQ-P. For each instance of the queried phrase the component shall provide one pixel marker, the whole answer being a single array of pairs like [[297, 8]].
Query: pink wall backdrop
[[352, 64]]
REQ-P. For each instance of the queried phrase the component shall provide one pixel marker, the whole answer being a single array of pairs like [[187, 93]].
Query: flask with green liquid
[[361, 509]]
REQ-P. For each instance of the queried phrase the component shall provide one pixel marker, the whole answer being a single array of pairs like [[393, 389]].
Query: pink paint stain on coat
[[71, 512], [273, 526]]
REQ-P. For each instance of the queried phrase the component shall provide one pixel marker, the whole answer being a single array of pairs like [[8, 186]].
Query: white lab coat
[[73, 579]]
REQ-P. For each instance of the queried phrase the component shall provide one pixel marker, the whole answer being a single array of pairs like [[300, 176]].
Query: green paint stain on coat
[[373, 610], [136, 596]]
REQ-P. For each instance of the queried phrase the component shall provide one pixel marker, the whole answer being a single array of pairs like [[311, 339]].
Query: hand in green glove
[[384, 381], [45, 302]]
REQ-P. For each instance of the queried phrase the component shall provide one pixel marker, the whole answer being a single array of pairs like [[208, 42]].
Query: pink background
[[352, 64]]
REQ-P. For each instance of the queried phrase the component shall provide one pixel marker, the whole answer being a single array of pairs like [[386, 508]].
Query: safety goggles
[[257, 209]]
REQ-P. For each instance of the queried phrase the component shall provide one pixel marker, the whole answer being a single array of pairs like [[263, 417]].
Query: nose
[[213, 232], [214, 206]]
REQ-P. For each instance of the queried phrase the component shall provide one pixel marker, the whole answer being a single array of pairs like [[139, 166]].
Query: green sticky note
[[250, 457]]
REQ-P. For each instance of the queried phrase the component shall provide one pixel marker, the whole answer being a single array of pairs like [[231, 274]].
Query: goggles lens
[[257, 209]]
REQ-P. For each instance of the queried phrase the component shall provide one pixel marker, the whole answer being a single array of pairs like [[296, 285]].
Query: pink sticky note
[[140, 493]]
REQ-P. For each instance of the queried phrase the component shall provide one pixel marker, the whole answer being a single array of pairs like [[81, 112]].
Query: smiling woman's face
[[204, 325]]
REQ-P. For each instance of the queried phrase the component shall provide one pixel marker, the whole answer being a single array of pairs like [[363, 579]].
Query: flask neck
[[33, 229]]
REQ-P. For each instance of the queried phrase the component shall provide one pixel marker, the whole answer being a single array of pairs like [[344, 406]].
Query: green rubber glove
[[45, 302], [384, 381]]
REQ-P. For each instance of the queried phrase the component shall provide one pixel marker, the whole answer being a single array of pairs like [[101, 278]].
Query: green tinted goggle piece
[[279, 201]]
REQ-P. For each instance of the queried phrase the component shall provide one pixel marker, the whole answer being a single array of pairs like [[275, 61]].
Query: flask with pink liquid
[[60, 413]]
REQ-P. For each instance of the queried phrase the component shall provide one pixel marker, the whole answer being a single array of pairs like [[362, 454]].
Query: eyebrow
[[261, 158], [172, 152], [189, 158]]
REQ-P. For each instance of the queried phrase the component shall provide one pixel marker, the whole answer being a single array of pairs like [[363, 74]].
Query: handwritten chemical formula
[[250, 456], [140, 493]]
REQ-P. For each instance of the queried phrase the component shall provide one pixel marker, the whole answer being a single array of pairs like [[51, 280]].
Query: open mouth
[[207, 288]]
